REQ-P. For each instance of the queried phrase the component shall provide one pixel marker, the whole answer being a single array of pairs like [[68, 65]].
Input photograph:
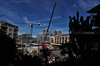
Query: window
[[55, 39], [66, 39], [10, 29], [52, 40], [10, 34]]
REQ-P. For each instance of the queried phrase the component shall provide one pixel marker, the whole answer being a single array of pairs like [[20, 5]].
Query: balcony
[[4, 30], [4, 26]]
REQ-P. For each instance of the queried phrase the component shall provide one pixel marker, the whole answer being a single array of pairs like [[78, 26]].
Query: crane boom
[[43, 46]]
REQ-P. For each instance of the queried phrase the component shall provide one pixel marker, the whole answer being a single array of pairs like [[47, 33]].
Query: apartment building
[[10, 29]]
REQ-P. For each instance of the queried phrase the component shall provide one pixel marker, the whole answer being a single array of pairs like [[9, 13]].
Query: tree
[[7, 48], [46, 52], [84, 44]]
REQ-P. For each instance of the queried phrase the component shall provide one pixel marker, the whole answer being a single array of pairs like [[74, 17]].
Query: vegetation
[[84, 45], [7, 49], [20, 45], [55, 47], [19, 51]]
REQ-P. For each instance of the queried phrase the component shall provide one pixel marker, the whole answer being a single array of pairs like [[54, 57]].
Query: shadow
[[9, 55], [28, 61]]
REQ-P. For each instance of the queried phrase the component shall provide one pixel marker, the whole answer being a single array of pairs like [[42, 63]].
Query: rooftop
[[8, 24], [96, 9]]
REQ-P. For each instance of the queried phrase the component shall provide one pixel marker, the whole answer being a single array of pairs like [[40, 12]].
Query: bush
[[18, 45], [55, 47], [7, 48], [20, 51]]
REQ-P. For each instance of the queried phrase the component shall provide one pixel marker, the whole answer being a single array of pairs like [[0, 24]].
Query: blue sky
[[34, 11]]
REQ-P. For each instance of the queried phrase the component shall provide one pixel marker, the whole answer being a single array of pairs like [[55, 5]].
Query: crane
[[31, 24], [43, 46]]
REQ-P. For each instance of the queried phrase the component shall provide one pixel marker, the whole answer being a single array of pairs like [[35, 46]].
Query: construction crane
[[43, 46], [32, 30], [31, 24]]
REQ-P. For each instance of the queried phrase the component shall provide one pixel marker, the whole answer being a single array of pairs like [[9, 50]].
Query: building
[[10, 29], [45, 31], [57, 32], [95, 13], [53, 40], [40, 38], [57, 38], [24, 38], [62, 38]]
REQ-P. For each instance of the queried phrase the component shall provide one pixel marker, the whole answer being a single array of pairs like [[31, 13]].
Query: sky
[[39, 11]]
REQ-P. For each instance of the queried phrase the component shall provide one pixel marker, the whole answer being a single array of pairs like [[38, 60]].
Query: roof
[[63, 35], [9, 24], [96, 9]]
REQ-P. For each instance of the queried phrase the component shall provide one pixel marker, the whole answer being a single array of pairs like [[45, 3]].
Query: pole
[[38, 48], [31, 33]]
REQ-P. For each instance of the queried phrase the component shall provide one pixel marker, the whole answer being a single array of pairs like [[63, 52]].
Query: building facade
[[24, 38], [63, 38], [57, 32], [40, 38], [56, 38], [9, 29], [45, 31]]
